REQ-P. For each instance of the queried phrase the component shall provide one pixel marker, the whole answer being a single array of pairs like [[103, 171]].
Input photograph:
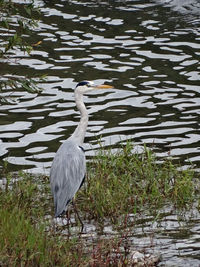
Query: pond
[[148, 50]]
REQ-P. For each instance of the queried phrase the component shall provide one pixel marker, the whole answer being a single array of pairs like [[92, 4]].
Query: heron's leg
[[68, 219], [76, 211]]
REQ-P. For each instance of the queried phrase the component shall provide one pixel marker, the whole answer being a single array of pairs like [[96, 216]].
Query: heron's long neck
[[79, 133]]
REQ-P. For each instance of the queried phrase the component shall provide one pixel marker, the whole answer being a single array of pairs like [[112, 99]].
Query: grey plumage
[[67, 173], [69, 164]]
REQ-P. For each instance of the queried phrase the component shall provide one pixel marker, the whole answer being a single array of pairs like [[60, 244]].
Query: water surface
[[148, 50]]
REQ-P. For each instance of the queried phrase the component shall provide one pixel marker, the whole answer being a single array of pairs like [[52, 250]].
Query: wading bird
[[69, 165]]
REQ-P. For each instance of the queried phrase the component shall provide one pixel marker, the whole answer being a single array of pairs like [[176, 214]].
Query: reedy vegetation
[[117, 184], [124, 182]]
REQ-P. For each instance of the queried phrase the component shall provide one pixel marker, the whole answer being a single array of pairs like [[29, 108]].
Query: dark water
[[148, 50]]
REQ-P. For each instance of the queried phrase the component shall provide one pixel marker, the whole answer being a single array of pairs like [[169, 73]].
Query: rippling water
[[175, 238], [149, 51]]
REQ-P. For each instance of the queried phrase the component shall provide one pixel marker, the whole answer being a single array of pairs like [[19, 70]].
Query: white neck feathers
[[79, 133]]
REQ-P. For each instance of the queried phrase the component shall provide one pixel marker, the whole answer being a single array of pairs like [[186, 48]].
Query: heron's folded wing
[[67, 173]]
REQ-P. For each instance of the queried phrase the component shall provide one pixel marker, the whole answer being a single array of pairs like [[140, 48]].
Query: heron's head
[[86, 86]]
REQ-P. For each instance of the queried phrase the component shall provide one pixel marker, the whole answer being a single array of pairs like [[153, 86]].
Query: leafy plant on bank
[[16, 22], [126, 182]]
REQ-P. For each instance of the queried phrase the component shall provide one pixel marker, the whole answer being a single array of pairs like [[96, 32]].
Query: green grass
[[24, 240], [124, 183], [117, 185]]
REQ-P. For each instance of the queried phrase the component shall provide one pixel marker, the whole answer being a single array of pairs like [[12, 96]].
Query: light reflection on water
[[174, 237], [148, 51]]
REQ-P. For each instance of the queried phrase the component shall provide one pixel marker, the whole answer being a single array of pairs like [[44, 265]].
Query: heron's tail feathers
[[60, 210]]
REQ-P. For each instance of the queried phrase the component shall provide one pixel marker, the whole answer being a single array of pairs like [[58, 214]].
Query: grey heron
[[69, 165]]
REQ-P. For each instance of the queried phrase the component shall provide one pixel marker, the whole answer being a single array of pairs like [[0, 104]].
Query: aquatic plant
[[125, 182], [117, 184]]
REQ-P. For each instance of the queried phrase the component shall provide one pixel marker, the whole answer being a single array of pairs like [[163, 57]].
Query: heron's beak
[[103, 86]]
